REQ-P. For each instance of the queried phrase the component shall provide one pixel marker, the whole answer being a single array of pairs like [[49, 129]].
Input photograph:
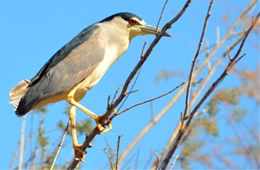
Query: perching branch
[[105, 118]]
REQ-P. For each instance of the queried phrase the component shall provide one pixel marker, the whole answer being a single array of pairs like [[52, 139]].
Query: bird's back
[[69, 66]]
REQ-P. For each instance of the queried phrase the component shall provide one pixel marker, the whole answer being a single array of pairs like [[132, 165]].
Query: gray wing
[[68, 67], [65, 51]]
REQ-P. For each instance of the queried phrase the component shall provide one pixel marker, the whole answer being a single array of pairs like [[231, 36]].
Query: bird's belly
[[52, 99]]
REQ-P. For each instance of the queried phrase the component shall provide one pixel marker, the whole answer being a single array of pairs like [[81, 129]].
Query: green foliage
[[238, 114], [207, 124], [42, 139], [185, 162], [166, 75], [228, 96], [82, 126], [110, 150], [61, 125], [204, 125]]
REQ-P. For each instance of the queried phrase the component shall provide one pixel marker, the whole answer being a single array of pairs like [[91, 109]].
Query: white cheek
[[135, 32]]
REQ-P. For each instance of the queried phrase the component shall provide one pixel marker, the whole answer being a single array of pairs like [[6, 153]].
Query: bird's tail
[[18, 92]]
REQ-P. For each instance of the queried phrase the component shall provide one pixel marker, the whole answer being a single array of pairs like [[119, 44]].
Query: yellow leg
[[76, 146], [97, 118]]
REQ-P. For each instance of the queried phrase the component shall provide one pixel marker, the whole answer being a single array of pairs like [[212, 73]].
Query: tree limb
[[230, 65]]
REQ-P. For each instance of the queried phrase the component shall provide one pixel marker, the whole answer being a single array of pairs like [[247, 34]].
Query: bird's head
[[130, 25]]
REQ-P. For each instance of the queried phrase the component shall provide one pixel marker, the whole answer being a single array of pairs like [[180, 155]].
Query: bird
[[78, 66]]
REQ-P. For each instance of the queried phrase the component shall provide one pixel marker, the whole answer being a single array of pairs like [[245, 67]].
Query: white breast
[[112, 53]]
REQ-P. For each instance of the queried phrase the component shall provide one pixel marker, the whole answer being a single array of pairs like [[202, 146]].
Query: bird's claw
[[78, 149], [101, 128], [115, 111]]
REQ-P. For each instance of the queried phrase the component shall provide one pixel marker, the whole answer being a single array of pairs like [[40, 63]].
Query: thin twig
[[174, 161], [117, 151], [137, 158], [149, 100], [136, 78], [130, 92], [148, 161], [110, 160], [167, 146], [145, 43], [117, 91], [14, 156], [207, 52], [60, 145], [157, 160], [28, 141], [163, 9], [227, 36], [152, 110], [128, 161], [20, 163], [214, 67], [34, 154], [187, 100]]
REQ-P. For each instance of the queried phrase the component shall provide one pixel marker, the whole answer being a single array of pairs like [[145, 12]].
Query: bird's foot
[[101, 128], [78, 149], [115, 112]]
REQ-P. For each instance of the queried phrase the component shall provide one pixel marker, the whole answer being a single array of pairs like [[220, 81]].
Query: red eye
[[132, 22]]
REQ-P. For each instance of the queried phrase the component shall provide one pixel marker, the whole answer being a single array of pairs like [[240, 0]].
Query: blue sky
[[31, 32]]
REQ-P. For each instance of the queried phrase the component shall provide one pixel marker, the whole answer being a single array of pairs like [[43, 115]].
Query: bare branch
[[117, 151], [117, 91], [14, 156], [174, 161], [130, 91], [157, 26], [167, 146], [143, 48], [110, 161], [187, 102], [60, 145], [137, 158], [20, 163], [208, 92], [157, 160], [136, 78], [152, 110], [147, 101], [227, 36], [214, 67]]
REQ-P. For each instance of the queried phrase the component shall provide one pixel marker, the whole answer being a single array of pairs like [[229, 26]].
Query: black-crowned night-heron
[[78, 66]]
